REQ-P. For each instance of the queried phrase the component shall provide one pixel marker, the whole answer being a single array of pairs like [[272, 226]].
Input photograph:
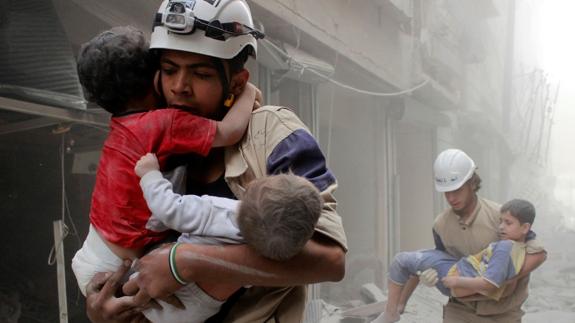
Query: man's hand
[[449, 281], [146, 164], [154, 279], [251, 89], [428, 277], [510, 286], [102, 306]]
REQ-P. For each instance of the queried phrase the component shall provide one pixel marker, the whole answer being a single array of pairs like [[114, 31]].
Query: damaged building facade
[[384, 85]]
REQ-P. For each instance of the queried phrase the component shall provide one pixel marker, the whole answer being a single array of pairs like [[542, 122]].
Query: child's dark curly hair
[[115, 67]]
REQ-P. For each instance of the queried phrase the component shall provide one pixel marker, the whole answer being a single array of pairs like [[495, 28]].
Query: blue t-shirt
[[500, 261]]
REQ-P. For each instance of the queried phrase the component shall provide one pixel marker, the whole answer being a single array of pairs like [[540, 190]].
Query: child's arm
[[205, 215], [532, 261], [465, 286], [232, 128]]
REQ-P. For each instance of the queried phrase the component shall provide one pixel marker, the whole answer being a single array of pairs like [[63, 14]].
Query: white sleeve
[[205, 215]]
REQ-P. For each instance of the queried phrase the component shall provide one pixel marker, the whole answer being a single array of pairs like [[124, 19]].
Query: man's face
[[461, 199], [511, 229], [191, 81]]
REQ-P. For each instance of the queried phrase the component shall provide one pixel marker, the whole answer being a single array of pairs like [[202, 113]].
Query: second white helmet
[[452, 168], [217, 28]]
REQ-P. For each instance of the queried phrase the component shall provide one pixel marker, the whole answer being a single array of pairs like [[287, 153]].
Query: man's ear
[[238, 81]]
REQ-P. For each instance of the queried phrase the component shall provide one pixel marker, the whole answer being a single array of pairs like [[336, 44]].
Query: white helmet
[[217, 28], [452, 169]]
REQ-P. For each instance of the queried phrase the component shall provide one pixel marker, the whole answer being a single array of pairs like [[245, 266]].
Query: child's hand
[[250, 88], [146, 164], [259, 99], [449, 281]]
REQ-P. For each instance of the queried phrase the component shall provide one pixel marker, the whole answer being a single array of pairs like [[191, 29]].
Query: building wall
[[362, 31], [415, 157]]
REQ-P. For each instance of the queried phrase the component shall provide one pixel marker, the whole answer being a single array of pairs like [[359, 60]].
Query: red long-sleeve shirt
[[119, 211]]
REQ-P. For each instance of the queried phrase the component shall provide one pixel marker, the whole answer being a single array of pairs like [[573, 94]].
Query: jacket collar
[[236, 164]]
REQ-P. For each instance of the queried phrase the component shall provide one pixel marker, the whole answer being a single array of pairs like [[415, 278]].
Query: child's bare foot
[[400, 309], [390, 318], [387, 317]]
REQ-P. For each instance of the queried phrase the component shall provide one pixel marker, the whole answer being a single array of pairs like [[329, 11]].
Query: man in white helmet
[[202, 48], [468, 226]]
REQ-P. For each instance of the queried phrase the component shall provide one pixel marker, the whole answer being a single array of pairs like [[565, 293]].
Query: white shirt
[[203, 220]]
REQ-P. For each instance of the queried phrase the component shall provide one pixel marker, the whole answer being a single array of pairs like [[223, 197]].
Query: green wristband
[[173, 268]]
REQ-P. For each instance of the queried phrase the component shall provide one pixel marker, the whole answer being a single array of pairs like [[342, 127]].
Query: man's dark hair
[[475, 181], [115, 67], [237, 62], [520, 209]]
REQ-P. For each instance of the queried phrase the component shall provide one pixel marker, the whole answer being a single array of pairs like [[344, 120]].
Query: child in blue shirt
[[483, 273]]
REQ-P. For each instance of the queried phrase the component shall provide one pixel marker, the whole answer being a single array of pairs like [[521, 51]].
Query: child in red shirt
[[117, 71]]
